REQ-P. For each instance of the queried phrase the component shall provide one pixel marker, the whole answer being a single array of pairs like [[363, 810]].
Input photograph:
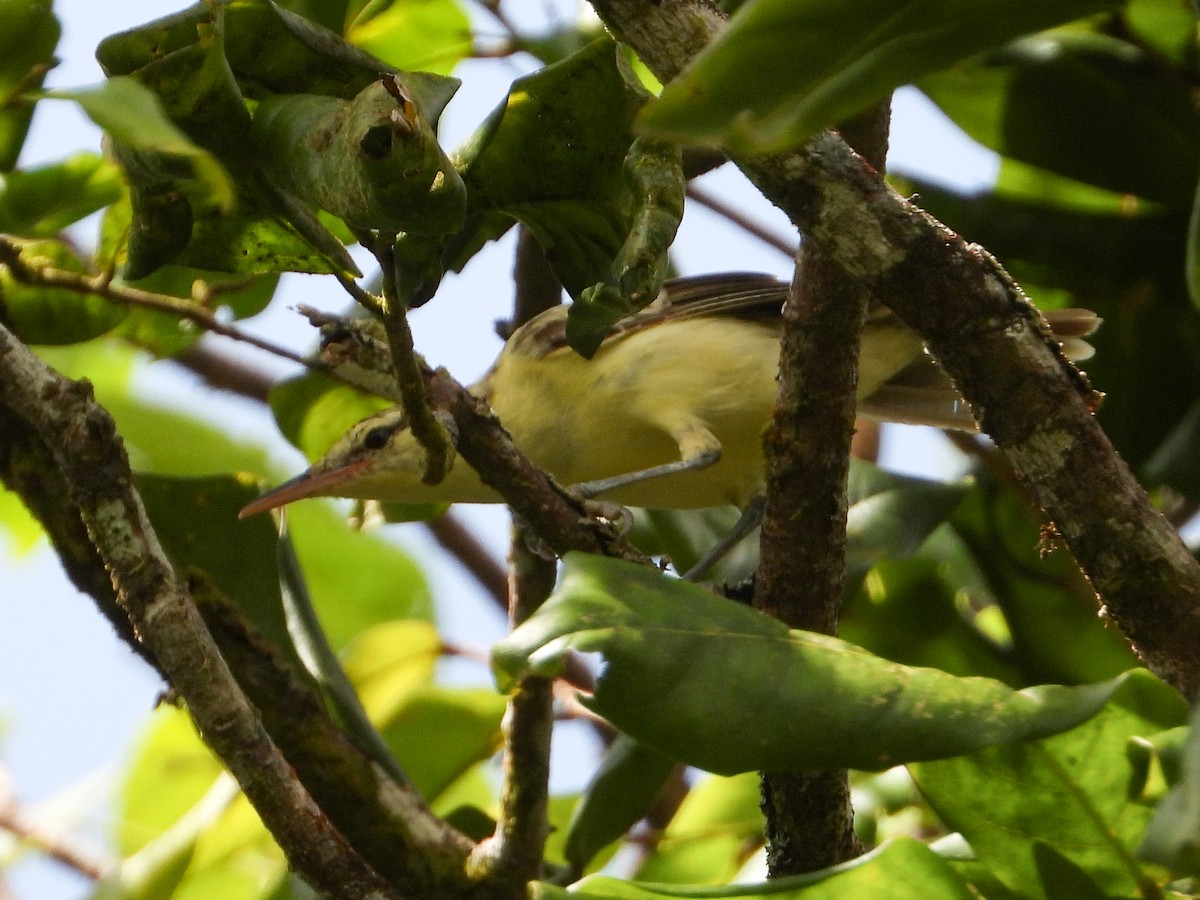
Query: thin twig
[[50, 841], [426, 427], [101, 286], [461, 543], [710, 200]]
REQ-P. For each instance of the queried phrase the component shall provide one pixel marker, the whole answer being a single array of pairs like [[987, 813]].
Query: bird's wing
[[739, 294]]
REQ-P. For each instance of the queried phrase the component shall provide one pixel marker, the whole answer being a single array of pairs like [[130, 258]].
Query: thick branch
[[986, 334], [91, 457]]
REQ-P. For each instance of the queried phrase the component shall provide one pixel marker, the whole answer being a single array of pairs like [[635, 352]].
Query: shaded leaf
[[686, 671], [782, 70], [373, 161], [135, 117], [1031, 809], [1120, 121], [620, 792], [890, 516], [552, 156]]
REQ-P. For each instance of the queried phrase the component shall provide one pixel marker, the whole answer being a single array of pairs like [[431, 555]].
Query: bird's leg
[[749, 520], [698, 449]]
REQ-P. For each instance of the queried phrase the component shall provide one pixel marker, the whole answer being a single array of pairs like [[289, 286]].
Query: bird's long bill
[[306, 484]]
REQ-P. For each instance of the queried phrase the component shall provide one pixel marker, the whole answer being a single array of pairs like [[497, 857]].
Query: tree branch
[[802, 573], [513, 855], [92, 459], [102, 286], [387, 821], [981, 327], [26, 829], [741, 220]]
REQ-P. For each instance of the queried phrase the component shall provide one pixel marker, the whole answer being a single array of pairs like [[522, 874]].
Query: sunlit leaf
[[782, 70], [708, 838], [467, 723], [169, 772], [430, 36]]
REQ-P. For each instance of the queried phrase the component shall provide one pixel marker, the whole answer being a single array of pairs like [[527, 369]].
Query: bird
[[668, 414]]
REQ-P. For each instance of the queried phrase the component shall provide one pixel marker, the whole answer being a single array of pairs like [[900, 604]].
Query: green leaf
[[903, 869], [467, 725], [430, 36], [373, 161], [321, 661], [385, 583], [890, 516], [782, 69], [312, 410], [196, 522], [686, 671], [169, 771], [29, 33], [707, 839], [1070, 803], [1173, 836], [46, 315], [135, 117], [553, 157], [1166, 26], [42, 202], [22, 530], [391, 662], [622, 789], [1121, 122]]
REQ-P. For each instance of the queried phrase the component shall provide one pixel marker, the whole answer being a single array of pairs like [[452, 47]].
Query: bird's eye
[[377, 437]]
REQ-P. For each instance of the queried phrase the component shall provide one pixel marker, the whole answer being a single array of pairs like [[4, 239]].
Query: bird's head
[[377, 459]]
